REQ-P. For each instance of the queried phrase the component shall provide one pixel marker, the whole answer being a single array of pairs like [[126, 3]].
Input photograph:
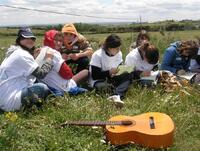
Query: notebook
[[150, 80], [124, 69], [188, 76]]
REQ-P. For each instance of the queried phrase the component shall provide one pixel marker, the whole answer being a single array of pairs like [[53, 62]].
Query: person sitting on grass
[[195, 67], [143, 59], [142, 36], [177, 57], [60, 79], [19, 71], [103, 69], [76, 48]]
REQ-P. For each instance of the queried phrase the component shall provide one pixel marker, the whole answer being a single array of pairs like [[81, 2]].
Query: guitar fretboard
[[96, 123]]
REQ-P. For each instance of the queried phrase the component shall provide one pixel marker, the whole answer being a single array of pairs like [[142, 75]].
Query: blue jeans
[[56, 92], [34, 95], [72, 91]]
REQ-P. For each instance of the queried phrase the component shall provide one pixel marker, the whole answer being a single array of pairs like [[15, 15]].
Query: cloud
[[149, 10]]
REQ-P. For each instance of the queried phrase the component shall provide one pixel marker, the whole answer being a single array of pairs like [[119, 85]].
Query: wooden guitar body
[[154, 130]]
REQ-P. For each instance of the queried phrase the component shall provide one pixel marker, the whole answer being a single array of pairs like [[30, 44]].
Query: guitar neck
[[96, 123]]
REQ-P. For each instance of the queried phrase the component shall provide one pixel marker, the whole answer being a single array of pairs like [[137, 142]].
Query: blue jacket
[[173, 61]]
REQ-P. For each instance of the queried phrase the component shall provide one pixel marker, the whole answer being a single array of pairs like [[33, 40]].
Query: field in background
[[160, 39], [37, 130]]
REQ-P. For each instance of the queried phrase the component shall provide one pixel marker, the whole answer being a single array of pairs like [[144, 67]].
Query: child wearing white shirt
[[103, 69], [143, 59], [57, 79]]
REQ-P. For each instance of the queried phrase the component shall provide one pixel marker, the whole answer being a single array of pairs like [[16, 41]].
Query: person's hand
[[36, 52], [74, 56], [181, 72], [65, 56], [146, 73], [113, 71], [49, 54]]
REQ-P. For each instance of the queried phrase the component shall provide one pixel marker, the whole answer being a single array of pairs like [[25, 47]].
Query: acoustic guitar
[[153, 130]]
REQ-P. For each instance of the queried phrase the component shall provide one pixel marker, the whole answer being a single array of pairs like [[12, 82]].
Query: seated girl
[[103, 69], [143, 59], [177, 57]]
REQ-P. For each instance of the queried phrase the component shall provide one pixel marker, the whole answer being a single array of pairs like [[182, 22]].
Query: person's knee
[[42, 87], [33, 94], [39, 89], [100, 85], [85, 73]]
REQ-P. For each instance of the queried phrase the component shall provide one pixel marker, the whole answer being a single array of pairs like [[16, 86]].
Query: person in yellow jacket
[[76, 49]]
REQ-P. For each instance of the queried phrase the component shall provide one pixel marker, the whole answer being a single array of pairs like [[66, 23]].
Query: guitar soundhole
[[127, 123], [151, 122]]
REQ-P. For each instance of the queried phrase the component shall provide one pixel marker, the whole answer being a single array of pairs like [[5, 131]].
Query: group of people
[[29, 74]]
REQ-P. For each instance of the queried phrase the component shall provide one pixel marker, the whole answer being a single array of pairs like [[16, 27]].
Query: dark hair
[[112, 41], [143, 33], [17, 42], [191, 46], [151, 53]]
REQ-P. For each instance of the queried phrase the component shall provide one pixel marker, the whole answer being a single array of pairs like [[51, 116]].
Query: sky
[[123, 10]]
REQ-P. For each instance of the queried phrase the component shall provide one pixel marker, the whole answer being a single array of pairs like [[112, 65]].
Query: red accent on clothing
[[65, 71]]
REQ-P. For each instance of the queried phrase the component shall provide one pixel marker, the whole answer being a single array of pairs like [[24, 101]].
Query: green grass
[[37, 130]]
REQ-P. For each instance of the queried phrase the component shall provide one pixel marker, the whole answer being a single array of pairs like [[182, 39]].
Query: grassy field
[[36, 130]]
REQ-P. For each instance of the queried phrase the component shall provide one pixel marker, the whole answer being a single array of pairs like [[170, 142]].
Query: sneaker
[[116, 100]]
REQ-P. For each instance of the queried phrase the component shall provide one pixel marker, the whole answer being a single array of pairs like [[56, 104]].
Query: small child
[[103, 69]]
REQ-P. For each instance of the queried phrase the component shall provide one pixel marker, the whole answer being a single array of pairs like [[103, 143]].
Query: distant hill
[[121, 27]]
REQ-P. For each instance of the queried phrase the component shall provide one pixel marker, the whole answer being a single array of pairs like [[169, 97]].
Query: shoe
[[116, 100]]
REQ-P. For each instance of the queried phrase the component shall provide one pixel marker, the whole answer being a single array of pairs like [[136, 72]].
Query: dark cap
[[25, 32]]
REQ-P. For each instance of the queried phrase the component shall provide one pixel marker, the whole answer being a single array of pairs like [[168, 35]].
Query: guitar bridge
[[151, 122]]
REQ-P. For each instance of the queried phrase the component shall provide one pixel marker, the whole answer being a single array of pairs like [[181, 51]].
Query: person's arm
[[97, 73], [167, 60], [42, 71], [65, 71], [86, 53], [85, 46], [186, 67], [194, 66]]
